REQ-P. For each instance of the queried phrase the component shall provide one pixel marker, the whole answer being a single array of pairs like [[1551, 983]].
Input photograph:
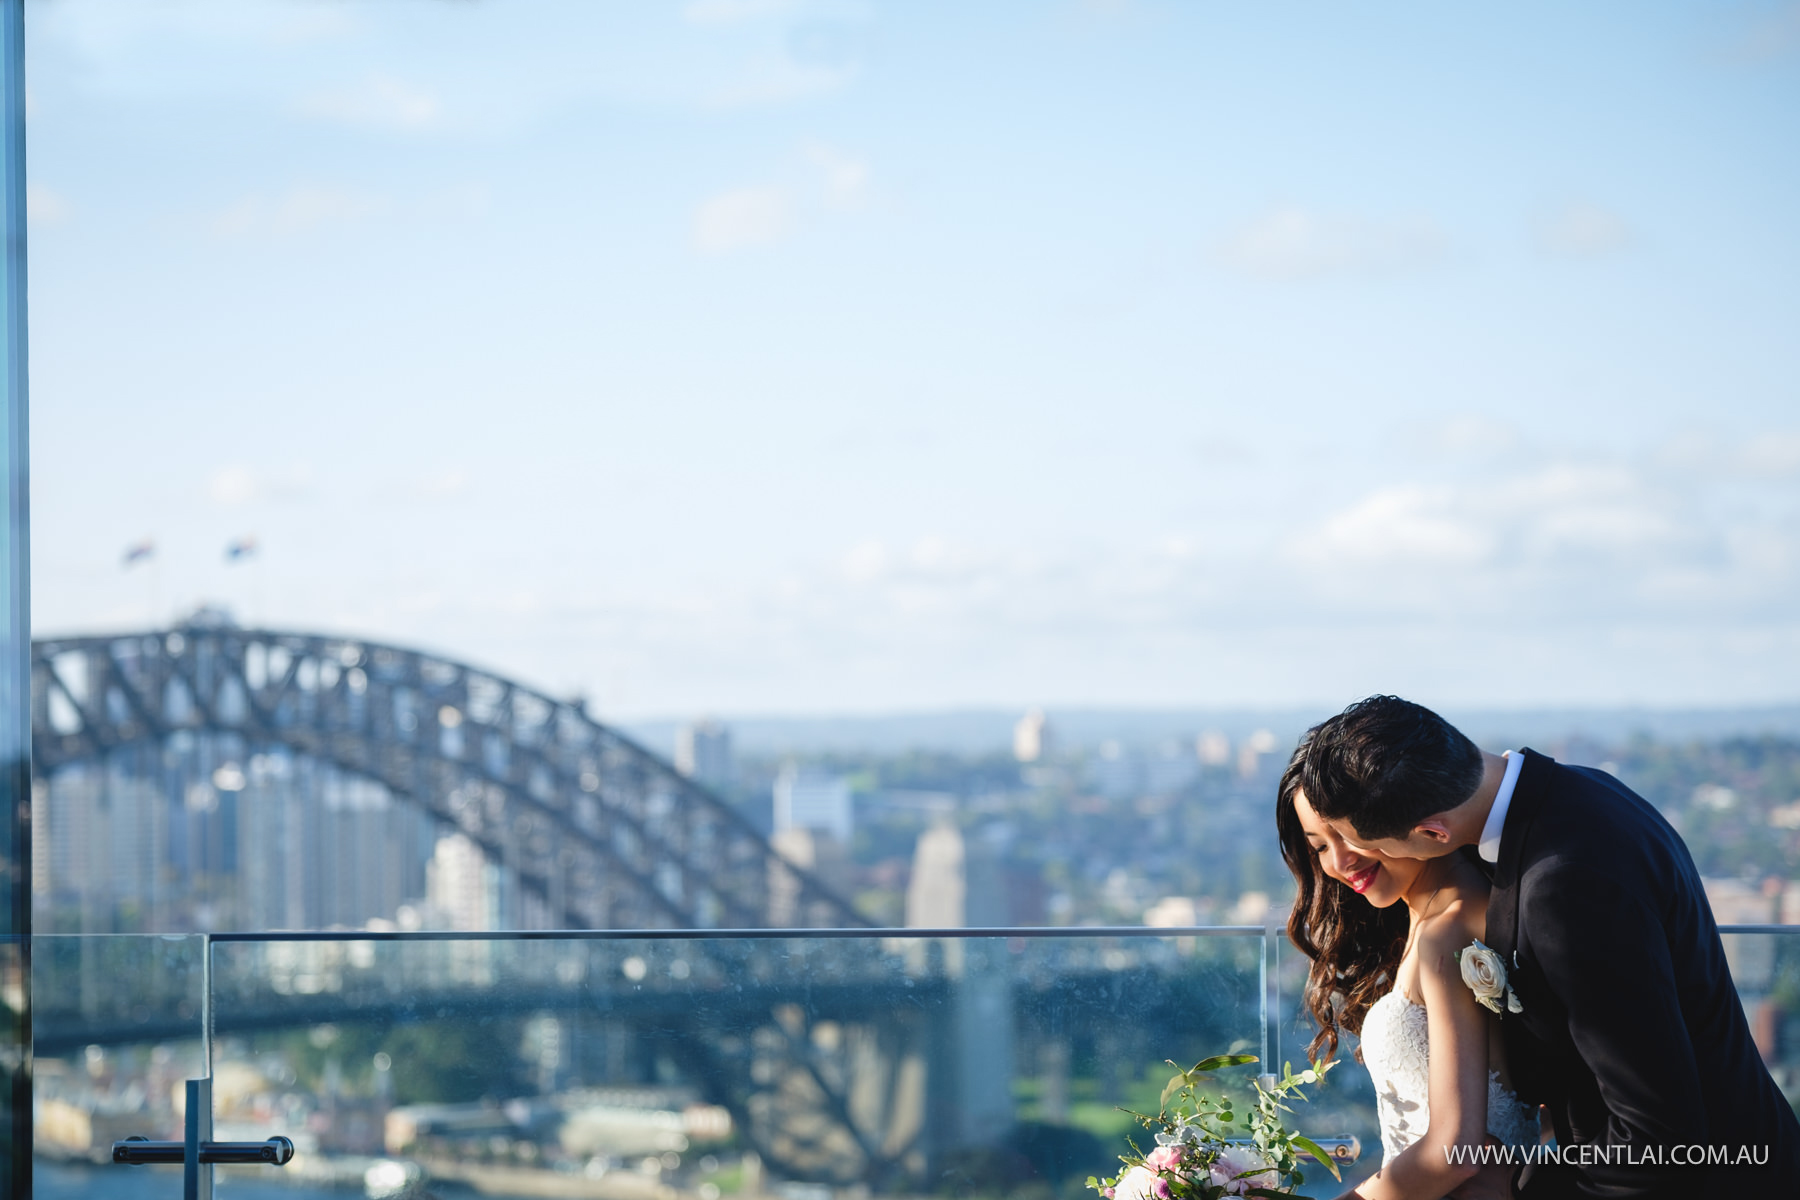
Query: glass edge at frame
[[659, 935], [689, 935], [1071, 932]]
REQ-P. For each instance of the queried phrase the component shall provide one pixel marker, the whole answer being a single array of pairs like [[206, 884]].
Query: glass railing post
[[206, 1005], [196, 1175], [15, 632], [1279, 1015], [1265, 953]]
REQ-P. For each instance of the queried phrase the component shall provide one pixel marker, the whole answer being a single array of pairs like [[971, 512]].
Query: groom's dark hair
[[1385, 764]]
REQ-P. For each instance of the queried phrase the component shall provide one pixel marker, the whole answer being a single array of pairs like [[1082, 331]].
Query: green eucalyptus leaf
[[1218, 1061], [1174, 1085], [1312, 1148]]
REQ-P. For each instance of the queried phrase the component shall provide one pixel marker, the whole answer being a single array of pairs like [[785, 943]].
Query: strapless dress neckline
[[1396, 1048]]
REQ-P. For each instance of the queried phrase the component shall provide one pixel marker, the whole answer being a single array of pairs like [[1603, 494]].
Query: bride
[[1383, 935]]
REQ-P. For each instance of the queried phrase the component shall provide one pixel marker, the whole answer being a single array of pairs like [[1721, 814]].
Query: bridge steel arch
[[609, 835]]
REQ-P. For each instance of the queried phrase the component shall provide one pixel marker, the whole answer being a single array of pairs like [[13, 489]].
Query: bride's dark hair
[[1355, 947]]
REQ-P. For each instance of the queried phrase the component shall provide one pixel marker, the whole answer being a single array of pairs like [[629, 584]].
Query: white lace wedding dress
[[1397, 1051]]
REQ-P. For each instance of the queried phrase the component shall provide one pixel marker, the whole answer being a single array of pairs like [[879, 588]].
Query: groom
[[1630, 1030]]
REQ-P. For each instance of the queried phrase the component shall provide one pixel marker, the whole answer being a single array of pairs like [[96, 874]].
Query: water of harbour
[[64, 1181]]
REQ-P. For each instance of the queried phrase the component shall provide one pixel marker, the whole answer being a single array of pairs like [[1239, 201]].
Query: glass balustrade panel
[[1765, 965], [117, 1027], [803, 1066], [609, 1065]]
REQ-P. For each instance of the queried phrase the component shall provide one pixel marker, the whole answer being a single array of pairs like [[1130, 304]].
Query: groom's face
[[1430, 839]]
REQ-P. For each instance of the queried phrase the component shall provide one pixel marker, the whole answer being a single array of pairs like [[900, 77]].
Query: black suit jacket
[[1632, 1031]]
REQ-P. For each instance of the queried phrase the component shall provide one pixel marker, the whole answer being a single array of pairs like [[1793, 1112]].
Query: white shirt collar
[[1489, 849]]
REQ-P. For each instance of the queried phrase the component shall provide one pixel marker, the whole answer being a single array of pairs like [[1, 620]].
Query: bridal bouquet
[[1206, 1148]]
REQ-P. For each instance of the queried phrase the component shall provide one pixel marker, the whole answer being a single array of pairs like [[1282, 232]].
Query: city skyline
[[762, 358]]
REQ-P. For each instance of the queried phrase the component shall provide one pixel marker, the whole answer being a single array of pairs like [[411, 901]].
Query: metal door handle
[[277, 1151]]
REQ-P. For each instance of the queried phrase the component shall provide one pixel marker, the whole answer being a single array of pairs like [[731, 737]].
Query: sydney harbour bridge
[[606, 834], [841, 1058]]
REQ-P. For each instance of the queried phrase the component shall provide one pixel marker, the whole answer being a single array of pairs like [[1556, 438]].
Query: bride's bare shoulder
[[1466, 912], [1462, 920]]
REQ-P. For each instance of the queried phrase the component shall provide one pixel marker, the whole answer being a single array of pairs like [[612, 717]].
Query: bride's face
[[1376, 877]]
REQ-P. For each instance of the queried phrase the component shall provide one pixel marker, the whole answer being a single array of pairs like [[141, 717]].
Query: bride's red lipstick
[[1359, 882]]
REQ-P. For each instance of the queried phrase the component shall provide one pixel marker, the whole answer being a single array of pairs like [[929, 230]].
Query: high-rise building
[[320, 848], [703, 752], [462, 885], [98, 851], [816, 852], [955, 884], [936, 895], [266, 840], [1031, 737], [812, 800], [1251, 752]]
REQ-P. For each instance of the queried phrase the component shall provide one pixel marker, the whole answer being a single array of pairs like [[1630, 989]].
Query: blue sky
[[757, 356]]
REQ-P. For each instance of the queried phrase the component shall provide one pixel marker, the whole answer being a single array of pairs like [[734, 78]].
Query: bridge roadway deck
[[61, 1031], [58, 1033]]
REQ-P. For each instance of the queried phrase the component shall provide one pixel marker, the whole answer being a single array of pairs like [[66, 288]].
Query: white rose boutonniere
[[1485, 974]]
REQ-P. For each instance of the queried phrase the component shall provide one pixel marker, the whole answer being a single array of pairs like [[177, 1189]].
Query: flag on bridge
[[138, 551], [242, 548]]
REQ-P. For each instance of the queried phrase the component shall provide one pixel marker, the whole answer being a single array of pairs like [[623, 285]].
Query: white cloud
[[1560, 544], [378, 102], [1397, 524], [932, 554], [236, 485], [1292, 242], [1771, 456], [45, 207], [929, 561], [829, 179], [1583, 510], [1569, 513], [1471, 434], [845, 179], [865, 562], [300, 210], [232, 486], [1775, 454], [1583, 231], [444, 485], [307, 208], [742, 217]]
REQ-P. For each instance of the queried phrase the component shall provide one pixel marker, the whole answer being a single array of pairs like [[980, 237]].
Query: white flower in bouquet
[[1235, 1161], [1140, 1183]]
